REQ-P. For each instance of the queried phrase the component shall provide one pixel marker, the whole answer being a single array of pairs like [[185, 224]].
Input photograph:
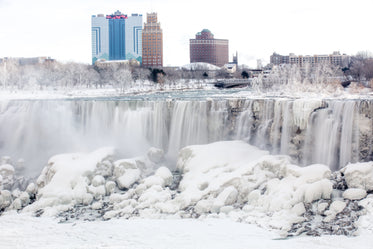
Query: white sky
[[256, 29]]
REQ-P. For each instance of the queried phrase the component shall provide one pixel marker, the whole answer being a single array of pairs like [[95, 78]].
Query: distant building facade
[[336, 58], [204, 48], [116, 37], [152, 42]]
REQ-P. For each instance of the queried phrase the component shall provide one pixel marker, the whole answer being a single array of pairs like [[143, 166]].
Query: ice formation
[[224, 179]]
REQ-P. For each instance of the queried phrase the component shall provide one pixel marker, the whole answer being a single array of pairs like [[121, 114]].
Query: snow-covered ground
[[296, 90], [24, 231]]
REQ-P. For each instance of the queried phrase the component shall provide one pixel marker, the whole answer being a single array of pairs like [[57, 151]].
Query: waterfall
[[332, 132], [310, 131]]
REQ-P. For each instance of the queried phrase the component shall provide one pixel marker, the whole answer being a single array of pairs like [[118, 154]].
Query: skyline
[[62, 30]]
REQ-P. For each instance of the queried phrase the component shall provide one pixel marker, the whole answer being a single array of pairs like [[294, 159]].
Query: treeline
[[122, 76], [53, 74], [360, 68]]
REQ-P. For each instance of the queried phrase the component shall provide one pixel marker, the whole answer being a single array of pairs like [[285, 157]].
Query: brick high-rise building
[[204, 48], [152, 42]]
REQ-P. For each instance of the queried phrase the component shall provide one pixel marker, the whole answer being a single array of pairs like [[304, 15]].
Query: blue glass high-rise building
[[117, 37], [100, 38]]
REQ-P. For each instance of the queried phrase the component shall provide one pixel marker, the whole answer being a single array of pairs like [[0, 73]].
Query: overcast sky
[[256, 29]]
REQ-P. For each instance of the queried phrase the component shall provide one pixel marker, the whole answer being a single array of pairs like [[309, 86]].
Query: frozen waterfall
[[332, 132]]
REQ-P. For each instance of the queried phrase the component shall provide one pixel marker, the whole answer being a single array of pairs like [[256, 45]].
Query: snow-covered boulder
[[104, 168], [162, 177], [31, 189], [98, 180], [359, 175], [227, 197], [6, 170], [127, 172], [66, 179], [7, 174], [354, 194], [98, 192], [203, 206], [110, 187], [321, 207], [5, 199], [335, 208], [298, 209]]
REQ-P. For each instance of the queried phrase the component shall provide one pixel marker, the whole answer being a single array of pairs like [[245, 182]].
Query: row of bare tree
[[53, 74], [361, 68]]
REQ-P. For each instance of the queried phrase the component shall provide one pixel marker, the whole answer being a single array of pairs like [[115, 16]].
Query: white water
[[35, 130]]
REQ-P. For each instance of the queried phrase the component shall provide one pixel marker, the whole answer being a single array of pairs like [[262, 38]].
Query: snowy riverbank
[[23, 231]]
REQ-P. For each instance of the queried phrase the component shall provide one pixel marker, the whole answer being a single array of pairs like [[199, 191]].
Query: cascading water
[[310, 131], [333, 132]]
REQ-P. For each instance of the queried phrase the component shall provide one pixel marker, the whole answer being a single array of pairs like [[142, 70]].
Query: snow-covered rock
[[298, 209], [65, 179], [127, 172], [334, 208], [31, 189], [6, 173], [354, 194], [128, 178], [110, 187], [6, 170], [5, 199], [98, 181], [227, 197], [359, 175]]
